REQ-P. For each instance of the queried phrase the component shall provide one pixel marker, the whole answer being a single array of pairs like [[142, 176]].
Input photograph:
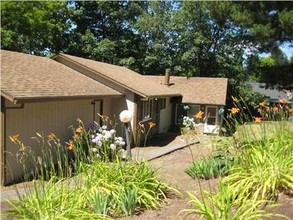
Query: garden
[[246, 175]]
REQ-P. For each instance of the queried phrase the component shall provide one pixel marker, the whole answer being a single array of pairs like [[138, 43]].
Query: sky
[[287, 49]]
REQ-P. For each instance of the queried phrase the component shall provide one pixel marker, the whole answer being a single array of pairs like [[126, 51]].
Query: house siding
[[166, 117], [44, 118]]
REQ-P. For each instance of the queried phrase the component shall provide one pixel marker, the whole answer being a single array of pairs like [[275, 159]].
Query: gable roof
[[198, 90], [122, 76], [27, 77], [273, 94]]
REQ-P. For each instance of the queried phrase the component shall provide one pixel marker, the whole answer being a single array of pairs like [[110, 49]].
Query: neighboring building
[[44, 95], [273, 95], [199, 94]]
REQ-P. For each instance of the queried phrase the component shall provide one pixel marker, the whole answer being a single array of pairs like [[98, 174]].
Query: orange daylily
[[79, 130], [235, 110], [262, 104], [14, 138], [51, 136], [152, 124], [70, 146], [275, 109], [283, 101], [257, 119], [199, 115]]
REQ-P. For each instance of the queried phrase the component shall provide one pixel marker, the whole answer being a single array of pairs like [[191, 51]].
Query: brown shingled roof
[[198, 90], [124, 77], [28, 77]]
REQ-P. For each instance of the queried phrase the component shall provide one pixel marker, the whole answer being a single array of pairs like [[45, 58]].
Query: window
[[162, 103], [146, 109], [185, 110]]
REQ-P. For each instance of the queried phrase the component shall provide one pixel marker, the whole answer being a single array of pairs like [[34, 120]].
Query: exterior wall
[[44, 118], [166, 117], [207, 127]]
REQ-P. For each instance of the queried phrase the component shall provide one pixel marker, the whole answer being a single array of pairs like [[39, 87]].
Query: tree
[[103, 31], [34, 27]]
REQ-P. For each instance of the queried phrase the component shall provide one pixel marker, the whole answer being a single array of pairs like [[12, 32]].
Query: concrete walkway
[[150, 153], [138, 153]]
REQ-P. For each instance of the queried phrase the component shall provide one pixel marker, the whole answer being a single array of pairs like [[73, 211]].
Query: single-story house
[[44, 95], [204, 94]]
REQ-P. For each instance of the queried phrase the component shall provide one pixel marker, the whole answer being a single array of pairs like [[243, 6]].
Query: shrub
[[101, 190], [211, 167], [266, 166], [223, 206]]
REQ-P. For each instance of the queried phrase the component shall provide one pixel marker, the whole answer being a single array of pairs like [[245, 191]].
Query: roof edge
[[98, 73], [20, 100]]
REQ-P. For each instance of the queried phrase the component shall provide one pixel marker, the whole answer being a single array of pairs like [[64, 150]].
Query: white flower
[[107, 135], [113, 146], [123, 154], [125, 116], [104, 127], [112, 131], [95, 150]]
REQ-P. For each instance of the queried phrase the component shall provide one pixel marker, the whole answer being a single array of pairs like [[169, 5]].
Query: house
[[207, 95], [41, 94], [44, 95]]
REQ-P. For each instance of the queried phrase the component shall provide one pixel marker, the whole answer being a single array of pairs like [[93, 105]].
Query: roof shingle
[[198, 90], [127, 78], [29, 77]]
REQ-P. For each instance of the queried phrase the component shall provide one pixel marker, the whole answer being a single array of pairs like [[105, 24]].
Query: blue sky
[[287, 49]]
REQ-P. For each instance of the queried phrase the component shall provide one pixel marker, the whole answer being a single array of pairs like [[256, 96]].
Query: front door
[[211, 120]]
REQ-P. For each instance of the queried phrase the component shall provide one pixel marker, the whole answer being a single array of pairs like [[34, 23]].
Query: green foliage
[[265, 168], [221, 206], [101, 190], [211, 167], [34, 27]]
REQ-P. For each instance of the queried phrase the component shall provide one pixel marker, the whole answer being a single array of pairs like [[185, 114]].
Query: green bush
[[101, 190], [266, 167], [223, 206], [211, 167]]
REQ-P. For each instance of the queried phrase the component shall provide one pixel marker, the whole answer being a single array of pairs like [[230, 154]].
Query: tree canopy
[[191, 38]]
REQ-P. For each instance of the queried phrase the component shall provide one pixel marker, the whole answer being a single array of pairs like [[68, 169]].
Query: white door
[[211, 115]]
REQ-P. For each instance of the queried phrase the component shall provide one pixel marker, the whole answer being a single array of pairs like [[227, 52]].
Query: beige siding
[[166, 117], [44, 118]]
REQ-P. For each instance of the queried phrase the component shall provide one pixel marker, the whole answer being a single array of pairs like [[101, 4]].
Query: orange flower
[[51, 136], [152, 124], [262, 104], [235, 110], [275, 109], [283, 101], [70, 146], [79, 130], [14, 138], [199, 115], [257, 119]]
